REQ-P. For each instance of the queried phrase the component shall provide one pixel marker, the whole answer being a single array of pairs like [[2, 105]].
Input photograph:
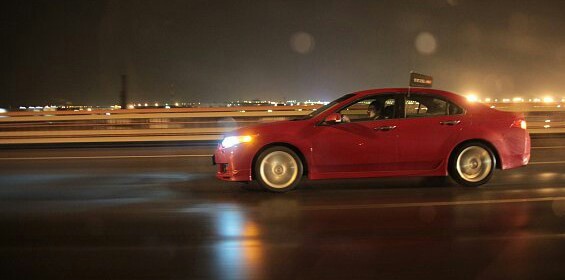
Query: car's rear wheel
[[472, 164], [278, 169]]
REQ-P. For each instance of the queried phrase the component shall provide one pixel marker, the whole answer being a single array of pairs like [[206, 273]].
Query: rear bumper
[[518, 155], [516, 161]]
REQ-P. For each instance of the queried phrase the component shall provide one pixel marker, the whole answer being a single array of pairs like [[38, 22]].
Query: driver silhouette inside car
[[373, 113]]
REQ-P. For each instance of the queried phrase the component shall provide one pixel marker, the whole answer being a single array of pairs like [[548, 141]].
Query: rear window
[[419, 105]]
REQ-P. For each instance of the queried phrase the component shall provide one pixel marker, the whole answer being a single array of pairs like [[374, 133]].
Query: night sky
[[55, 52]]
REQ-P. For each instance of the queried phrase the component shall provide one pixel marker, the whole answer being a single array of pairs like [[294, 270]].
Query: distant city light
[[549, 99]]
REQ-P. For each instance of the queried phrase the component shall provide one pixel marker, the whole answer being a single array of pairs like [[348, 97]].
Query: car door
[[425, 136], [359, 146]]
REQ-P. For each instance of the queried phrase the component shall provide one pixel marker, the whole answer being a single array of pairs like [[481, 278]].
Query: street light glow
[[472, 97], [548, 99]]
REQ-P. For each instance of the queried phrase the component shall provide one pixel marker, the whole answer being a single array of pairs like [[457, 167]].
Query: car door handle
[[450, 122], [385, 128]]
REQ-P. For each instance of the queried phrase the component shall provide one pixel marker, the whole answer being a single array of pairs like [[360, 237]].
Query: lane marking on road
[[546, 162], [434, 203], [550, 147], [104, 157], [512, 237]]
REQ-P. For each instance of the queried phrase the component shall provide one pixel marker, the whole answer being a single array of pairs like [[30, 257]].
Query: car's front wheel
[[278, 169], [472, 164]]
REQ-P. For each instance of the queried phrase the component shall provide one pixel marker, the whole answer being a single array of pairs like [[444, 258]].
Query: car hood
[[279, 127]]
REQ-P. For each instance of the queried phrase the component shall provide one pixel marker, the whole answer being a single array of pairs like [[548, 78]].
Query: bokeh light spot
[[302, 42], [426, 43]]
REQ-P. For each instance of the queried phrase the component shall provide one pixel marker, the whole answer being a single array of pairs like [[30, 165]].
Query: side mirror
[[333, 118]]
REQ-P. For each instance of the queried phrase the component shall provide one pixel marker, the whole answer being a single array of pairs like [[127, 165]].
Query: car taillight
[[520, 124]]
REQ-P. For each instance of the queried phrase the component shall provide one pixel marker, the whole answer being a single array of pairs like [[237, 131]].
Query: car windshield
[[326, 107]]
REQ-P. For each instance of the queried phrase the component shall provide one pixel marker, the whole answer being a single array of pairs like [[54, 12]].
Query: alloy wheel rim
[[474, 164], [278, 169]]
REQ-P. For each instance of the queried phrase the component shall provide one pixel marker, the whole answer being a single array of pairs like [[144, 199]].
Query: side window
[[453, 109], [371, 108], [418, 105]]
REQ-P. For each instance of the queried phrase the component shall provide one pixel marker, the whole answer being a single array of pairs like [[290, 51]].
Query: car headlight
[[231, 141]]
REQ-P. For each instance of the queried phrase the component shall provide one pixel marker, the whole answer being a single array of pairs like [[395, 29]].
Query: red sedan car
[[378, 133]]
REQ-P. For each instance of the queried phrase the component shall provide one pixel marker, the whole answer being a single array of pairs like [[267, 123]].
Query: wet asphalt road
[[156, 212]]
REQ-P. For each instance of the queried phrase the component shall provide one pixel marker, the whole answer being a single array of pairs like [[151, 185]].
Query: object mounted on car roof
[[420, 80]]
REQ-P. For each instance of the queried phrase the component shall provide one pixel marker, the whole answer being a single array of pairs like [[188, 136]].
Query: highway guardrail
[[175, 124]]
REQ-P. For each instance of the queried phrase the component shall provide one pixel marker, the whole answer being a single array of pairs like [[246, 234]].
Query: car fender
[[480, 134], [299, 146]]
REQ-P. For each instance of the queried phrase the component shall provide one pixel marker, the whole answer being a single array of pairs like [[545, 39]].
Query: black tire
[[278, 169], [472, 164]]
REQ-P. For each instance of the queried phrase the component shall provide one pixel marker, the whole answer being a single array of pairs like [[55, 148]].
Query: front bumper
[[233, 164]]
